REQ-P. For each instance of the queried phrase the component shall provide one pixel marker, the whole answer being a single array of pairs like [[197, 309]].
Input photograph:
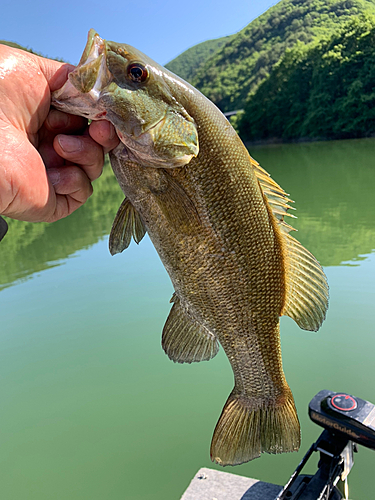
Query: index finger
[[81, 150]]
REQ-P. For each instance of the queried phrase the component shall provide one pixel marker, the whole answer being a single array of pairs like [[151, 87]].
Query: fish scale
[[234, 324], [216, 219]]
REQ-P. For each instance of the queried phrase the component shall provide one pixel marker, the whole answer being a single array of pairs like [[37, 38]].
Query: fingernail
[[70, 144], [54, 176]]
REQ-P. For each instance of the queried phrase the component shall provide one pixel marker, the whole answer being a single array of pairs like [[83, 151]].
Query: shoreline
[[302, 140]]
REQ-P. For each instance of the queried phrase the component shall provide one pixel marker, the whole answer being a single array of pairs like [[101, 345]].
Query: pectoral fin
[[127, 224], [176, 205], [184, 340]]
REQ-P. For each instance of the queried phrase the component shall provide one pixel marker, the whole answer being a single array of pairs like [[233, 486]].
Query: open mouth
[[81, 92], [92, 75]]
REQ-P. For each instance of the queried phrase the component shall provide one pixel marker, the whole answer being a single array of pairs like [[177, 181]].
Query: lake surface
[[91, 407]]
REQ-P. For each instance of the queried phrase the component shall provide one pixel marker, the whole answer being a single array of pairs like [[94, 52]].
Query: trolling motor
[[348, 421]]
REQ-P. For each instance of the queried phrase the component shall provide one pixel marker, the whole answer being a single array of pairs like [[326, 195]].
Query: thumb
[[55, 72]]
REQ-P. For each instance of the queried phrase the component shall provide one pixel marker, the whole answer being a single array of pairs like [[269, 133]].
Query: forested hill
[[323, 91], [238, 67], [27, 49], [187, 64], [14, 45]]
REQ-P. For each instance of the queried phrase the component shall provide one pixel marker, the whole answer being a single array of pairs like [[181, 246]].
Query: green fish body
[[216, 219]]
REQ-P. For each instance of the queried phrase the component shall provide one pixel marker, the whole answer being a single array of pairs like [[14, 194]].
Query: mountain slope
[[246, 59], [323, 91], [188, 63], [14, 45], [21, 47]]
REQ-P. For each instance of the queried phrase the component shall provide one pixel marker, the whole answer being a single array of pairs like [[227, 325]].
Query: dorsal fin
[[307, 288], [306, 284], [277, 198]]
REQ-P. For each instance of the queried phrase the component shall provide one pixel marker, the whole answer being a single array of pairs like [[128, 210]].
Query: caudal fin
[[247, 427]]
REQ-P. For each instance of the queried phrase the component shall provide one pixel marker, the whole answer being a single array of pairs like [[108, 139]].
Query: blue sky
[[161, 29]]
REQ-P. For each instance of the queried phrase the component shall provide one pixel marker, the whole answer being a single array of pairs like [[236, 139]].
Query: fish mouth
[[81, 92], [91, 75], [98, 89]]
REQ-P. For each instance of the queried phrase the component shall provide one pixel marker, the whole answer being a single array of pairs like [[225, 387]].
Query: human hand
[[47, 158]]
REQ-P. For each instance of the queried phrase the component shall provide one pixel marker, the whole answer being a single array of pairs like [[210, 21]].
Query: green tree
[[236, 66], [323, 90]]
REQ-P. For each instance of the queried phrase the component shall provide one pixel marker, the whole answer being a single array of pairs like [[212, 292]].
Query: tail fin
[[249, 426]]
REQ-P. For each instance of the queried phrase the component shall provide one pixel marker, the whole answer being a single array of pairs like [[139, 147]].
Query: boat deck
[[210, 484]]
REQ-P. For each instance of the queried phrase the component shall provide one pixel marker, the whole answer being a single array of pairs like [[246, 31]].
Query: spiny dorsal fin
[[184, 340], [127, 223], [307, 287], [277, 198], [306, 284]]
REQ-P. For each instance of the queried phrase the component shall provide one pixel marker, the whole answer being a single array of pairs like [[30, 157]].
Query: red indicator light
[[344, 402]]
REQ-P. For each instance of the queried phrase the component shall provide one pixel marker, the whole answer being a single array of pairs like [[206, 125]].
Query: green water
[[91, 408]]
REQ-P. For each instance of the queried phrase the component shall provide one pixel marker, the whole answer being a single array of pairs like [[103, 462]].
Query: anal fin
[[184, 340], [127, 224]]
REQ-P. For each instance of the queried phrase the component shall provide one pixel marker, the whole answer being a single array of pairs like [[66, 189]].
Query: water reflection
[[331, 184], [29, 248], [91, 408]]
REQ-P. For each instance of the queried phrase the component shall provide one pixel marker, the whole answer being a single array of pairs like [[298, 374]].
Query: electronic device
[[348, 421]]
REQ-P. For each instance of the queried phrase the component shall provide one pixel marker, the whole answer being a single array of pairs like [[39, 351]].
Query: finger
[[72, 188], [55, 123], [103, 132], [83, 151], [59, 122], [49, 155], [55, 72]]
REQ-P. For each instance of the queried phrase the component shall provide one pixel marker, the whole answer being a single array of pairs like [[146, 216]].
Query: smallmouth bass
[[216, 218]]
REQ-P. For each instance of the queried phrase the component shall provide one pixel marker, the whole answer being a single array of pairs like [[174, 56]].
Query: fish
[[218, 222]]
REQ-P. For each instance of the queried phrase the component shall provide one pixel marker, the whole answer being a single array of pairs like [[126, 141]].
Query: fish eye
[[137, 72]]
